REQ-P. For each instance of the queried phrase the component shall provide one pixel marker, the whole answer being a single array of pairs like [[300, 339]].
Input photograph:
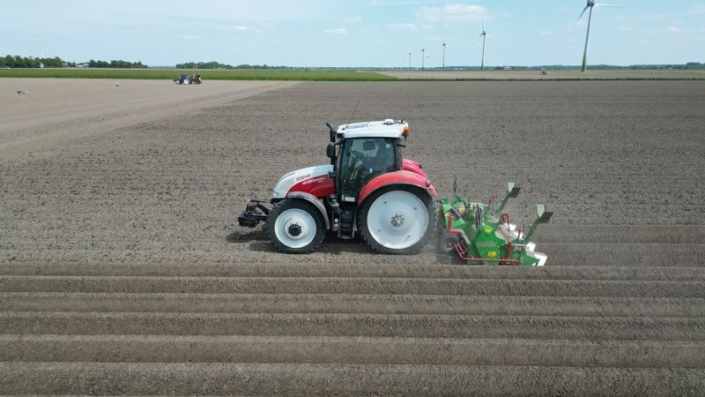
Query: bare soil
[[493, 74], [123, 270]]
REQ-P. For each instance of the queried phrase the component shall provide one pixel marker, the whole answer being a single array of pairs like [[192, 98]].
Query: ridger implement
[[482, 234]]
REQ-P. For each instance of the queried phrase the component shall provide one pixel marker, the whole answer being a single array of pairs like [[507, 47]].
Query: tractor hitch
[[255, 212]]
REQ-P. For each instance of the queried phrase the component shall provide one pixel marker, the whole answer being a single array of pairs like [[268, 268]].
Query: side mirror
[[331, 131], [330, 152]]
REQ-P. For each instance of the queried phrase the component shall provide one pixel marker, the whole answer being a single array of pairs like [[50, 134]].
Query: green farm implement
[[482, 234], [370, 190]]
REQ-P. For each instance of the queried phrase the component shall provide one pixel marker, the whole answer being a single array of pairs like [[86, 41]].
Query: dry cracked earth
[[123, 270]]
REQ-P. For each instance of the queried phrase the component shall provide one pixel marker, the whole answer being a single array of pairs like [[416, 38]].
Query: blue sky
[[354, 33]]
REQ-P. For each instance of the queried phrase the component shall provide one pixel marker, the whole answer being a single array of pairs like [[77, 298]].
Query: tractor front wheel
[[397, 220], [295, 227]]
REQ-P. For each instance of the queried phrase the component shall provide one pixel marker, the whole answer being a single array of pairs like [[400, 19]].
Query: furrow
[[640, 257], [328, 285], [617, 234], [350, 304], [353, 380], [352, 350], [379, 325], [571, 271]]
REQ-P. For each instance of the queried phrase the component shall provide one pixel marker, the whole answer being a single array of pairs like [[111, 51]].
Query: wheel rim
[[397, 219], [295, 228]]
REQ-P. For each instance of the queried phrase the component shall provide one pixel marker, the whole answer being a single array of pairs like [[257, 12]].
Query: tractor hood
[[314, 180]]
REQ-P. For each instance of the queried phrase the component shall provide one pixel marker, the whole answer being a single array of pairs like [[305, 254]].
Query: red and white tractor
[[368, 188]]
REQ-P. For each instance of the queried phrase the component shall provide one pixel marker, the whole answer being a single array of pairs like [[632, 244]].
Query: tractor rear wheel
[[397, 220], [295, 227]]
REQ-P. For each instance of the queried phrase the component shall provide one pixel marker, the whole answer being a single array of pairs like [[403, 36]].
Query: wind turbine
[[590, 5], [484, 36], [444, 54], [423, 56]]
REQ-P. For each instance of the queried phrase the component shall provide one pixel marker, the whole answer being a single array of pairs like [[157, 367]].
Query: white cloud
[[545, 33], [697, 10], [351, 20], [452, 13], [242, 29], [674, 29], [402, 26], [190, 37], [337, 32]]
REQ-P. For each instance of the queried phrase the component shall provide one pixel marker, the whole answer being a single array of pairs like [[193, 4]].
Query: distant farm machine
[[370, 190], [185, 78]]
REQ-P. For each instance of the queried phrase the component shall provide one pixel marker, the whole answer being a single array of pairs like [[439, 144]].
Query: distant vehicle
[[186, 78]]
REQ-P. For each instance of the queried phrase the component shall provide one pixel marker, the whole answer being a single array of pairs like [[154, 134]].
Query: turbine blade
[[581, 14]]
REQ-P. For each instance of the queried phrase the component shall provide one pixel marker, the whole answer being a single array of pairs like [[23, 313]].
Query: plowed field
[[123, 270]]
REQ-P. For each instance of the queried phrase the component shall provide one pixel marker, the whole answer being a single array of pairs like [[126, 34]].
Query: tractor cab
[[366, 151], [360, 160]]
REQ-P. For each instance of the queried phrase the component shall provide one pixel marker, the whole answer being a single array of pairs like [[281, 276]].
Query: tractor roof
[[374, 129]]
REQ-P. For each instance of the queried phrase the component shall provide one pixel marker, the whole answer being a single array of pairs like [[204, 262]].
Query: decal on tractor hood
[[314, 178]]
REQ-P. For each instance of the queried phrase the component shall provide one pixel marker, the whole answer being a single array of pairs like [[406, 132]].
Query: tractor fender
[[413, 166], [402, 177], [313, 200]]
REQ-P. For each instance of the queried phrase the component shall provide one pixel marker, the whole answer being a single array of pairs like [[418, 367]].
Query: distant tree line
[[116, 64], [18, 62], [202, 65], [218, 65]]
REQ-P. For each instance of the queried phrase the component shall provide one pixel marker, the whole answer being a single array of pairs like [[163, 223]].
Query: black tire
[[295, 226], [447, 242], [394, 213]]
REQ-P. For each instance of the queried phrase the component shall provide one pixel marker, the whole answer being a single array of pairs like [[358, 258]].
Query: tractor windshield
[[361, 159]]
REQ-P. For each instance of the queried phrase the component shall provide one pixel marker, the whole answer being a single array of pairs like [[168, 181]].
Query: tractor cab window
[[361, 160]]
